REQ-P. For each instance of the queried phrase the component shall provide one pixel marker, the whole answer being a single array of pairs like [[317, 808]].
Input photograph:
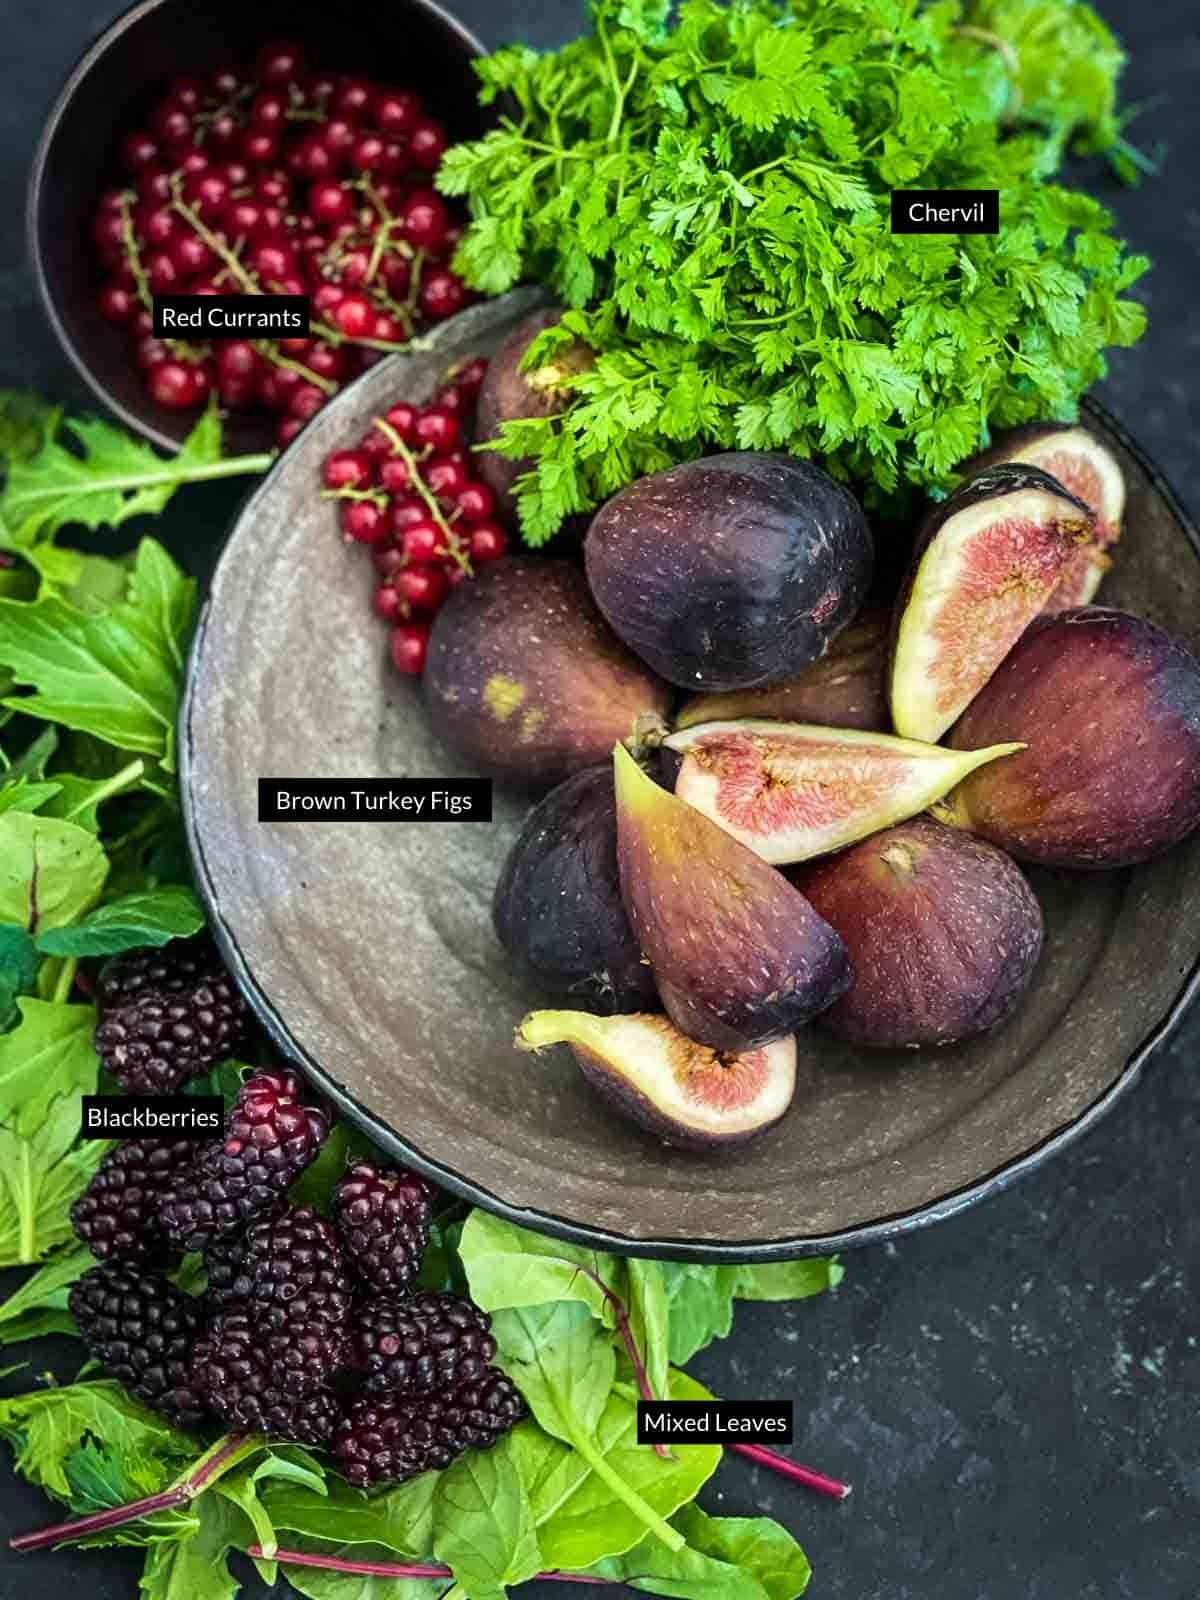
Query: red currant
[[327, 297], [386, 603], [469, 377], [354, 316], [186, 92], [368, 153], [340, 135], [375, 444], [364, 522], [394, 475], [423, 219], [426, 144], [387, 327], [421, 541], [443, 294], [423, 588], [437, 428], [352, 98], [172, 124], [148, 352], [242, 217], [173, 385], [281, 62], [488, 542], [446, 479], [329, 202], [117, 303], [306, 401], [162, 273], [403, 418], [475, 501], [259, 147], [346, 469], [273, 188], [191, 255], [409, 646], [287, 430], [396, 110], [386, 560], [138, 151], [156, 225]]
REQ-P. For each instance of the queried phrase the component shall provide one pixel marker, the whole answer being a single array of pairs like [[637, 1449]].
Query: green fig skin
[[943, 932], [1108, 706], [739, 955], [524, 679]]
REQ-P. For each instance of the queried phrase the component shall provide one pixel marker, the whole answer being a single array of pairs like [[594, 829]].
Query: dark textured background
[[1014, 1393]]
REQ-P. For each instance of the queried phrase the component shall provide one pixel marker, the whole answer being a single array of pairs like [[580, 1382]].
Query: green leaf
[[116, 675], [136, 920], [49, 1053], [649, 1319], [319, 1584], [18, 969], [51, 872], [26, 422], [87, 582], [100, 478], [483, 1523], [44, 1290], [579, 1519], [757, 1546], [196, 1567], [789, 1280], [47, 1425], [400, 1519], [39, 1178], [510, 1266], [700, 1300]]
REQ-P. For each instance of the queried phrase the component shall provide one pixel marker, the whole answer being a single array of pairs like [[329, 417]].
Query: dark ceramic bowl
[[114, 86], [368, 952]]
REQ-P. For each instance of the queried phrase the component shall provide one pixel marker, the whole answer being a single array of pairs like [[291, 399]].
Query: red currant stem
[[792, 1469], [414, 281], [223, 1455], [377, 497], [453, 542], [133, 254], [219, 248], [335, 336], [267, 349], [625, 1331], [392, 1569]]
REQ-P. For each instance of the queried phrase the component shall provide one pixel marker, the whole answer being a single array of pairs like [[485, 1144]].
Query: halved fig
[[986, 562], [943, 931], [525, 680], [846, 688], [791, 790], [739, 955], [557, 908], [1081, 463], [1108, 706], [687, 1093]]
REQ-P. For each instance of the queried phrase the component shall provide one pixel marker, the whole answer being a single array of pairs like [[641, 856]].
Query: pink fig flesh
[[738, 954], [845, 688], [791, 790], [1108, 706], [688, 1094], [943, 933], [987, 560], [1085, 466]]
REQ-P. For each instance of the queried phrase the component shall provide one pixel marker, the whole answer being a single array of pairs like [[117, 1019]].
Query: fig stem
[[223, 1455], [774, 1462], [393, 1569]]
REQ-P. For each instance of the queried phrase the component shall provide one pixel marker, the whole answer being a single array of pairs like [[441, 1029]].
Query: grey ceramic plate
[[368, 953]]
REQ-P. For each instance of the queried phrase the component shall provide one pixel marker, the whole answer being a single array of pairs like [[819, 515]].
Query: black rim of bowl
[[676, 1249], [83, 66]]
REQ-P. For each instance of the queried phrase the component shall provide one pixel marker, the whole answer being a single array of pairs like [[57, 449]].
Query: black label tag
[[714, 1421], [945, 211], [374, 799], [231, 316], [133, 1116]]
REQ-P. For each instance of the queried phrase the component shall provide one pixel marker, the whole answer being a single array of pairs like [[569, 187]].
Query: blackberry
[[141, 1330], [173, 968], [388, 1438], [270, 1137], [432, 1341], [117, 1214], [154, 1043], [291, 1268], [383, 1217], [268, 1383]]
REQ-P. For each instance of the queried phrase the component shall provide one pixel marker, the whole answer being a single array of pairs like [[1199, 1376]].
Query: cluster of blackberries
[[167, 1015], [308, 1330]]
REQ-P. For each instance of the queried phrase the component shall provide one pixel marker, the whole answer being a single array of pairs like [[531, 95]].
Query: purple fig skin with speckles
[[942, 929], [525, 680], [739, 956], [1109, 707], [557, 908], [730, 571]]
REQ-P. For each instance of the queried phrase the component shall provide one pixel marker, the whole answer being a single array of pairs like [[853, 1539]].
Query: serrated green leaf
[[133, 922], [45, 1426]]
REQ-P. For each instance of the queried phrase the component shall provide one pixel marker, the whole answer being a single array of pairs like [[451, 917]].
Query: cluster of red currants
[[407, 492], [288, 181]]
